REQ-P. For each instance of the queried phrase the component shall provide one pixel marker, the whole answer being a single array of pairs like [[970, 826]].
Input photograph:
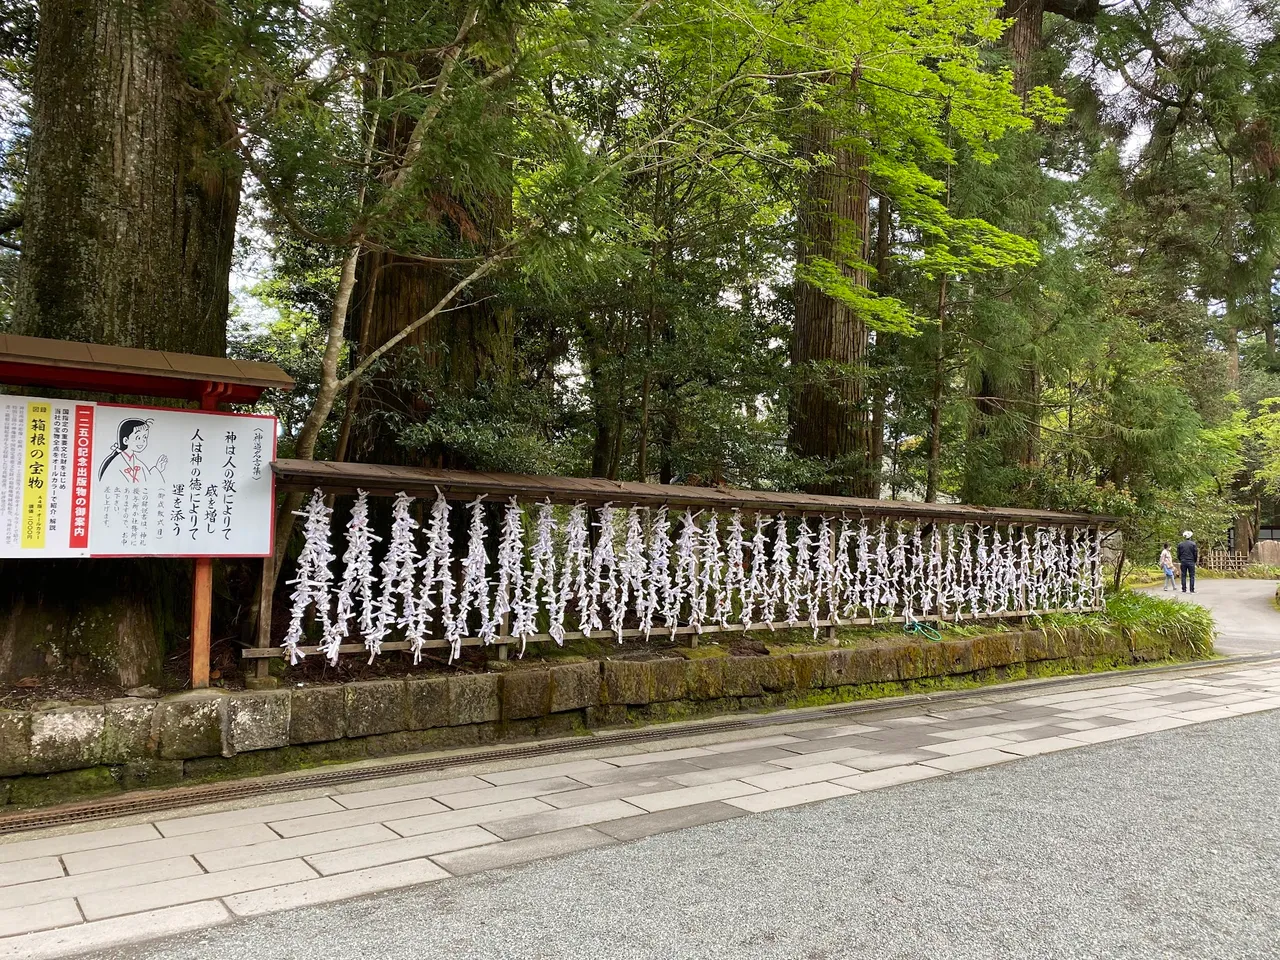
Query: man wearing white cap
[[1188, 557]]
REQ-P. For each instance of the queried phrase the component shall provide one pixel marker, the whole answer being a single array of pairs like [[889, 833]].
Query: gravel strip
[[1162, 846]]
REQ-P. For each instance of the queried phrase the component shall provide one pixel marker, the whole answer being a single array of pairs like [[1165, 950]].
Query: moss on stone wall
[[70, 752]]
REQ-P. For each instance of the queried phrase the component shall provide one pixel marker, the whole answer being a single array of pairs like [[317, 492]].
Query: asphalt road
[[1161, 846], [1247, 619]]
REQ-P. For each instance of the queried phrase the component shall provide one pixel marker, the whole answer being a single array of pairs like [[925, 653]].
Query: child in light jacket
[[1166, 565]]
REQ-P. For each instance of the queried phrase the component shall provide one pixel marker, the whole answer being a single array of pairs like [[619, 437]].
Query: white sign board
[[102, 480]]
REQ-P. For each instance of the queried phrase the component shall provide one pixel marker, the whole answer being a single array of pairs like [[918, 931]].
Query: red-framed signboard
[[82, 479]]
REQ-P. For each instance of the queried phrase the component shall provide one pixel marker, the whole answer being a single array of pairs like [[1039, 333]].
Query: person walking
[[1166, 565], [1188, 557]]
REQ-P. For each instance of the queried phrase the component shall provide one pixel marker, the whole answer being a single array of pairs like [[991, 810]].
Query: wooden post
[[261, 666], [202, 580], [201, 614]]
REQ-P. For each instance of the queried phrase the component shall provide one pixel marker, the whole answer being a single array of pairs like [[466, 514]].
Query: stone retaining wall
[[63, 752]]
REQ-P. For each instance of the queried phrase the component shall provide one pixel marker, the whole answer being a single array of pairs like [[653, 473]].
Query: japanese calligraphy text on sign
[[86, 479]]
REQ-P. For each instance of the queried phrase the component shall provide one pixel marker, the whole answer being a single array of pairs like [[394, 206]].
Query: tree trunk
[[935, 400], [130, 212], [884, 343], [456, 351], [1231, 340], [830, 416], [130, 204], [1023, 39], [444, 359]]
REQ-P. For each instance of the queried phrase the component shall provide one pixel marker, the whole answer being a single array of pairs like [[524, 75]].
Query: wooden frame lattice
[[385, 481]]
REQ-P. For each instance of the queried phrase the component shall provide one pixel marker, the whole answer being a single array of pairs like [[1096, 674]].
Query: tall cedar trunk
[[830, 415], [995, 443], [603, 387], [998, 400], [130, 211], [1231, 340], [130, 204], [1023, 38], [466, 346], [460, 349], [883, 345]]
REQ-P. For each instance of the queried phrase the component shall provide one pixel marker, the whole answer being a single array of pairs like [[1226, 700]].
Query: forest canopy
[[1020, 254]]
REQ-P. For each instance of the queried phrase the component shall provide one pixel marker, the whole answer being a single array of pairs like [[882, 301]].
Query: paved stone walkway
[[1244, 610], [133, 880]]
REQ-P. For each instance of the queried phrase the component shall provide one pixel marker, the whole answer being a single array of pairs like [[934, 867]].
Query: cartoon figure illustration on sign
[[131, 439]]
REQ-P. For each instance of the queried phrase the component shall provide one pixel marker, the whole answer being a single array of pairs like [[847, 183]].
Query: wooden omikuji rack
[[305, 476]]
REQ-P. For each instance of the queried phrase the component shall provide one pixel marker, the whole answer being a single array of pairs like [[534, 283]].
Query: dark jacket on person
[[1188, 552]]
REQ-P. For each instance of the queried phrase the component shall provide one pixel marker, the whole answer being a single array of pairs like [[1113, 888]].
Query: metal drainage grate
[[154, 802]]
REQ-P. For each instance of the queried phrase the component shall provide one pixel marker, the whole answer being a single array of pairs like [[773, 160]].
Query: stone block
[[841, 668], [994, 650], [742, 676], [526, 693], [575, 686], [1056, 644], [66, 738], [628, 682], [912, 661], [376, 706], [704, 678], [259, 720], [755, 676], [864, 665], [128, 731], [317, 714], [191, 725], [151, 774], [776, 672], [880, 664], [428, 703], [474, 698], [813, 670], [950, 657], [1102, 643], [1014, 648], [1073, 642], [1035, 646], [668, 677], [15, 742]]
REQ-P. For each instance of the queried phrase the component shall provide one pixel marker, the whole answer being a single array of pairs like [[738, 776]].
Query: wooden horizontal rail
[[658, 633], [385, 480]]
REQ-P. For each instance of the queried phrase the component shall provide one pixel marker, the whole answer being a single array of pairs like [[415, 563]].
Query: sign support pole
[[202, 581], [201, 615]]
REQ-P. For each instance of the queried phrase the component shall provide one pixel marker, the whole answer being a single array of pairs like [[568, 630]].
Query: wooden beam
[[384, 480]]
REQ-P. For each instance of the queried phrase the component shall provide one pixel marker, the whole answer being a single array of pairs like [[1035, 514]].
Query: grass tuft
[[1141, 614]]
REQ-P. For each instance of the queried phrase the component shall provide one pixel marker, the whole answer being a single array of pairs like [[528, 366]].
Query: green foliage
[[1145, 614], [1066, 256]]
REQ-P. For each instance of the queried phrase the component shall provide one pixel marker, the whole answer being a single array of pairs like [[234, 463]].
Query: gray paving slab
[[523, 851], [647, 771], [652, 824], [741, 757], [857, 742], [1162, 846], [611, 791]]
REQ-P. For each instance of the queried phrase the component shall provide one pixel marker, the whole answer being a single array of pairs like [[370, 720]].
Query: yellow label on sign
[[35, 476]]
